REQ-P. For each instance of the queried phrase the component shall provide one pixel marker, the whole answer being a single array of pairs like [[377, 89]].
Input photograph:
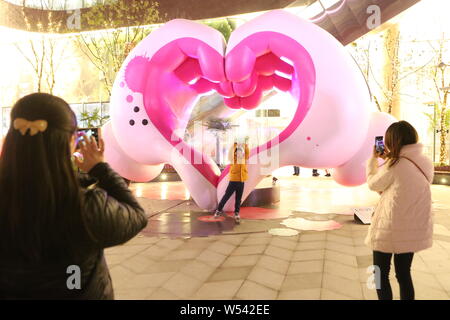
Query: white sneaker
[[217, 213], [237, 218]]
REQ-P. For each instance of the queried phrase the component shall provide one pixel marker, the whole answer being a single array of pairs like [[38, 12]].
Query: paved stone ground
[[249, 263]]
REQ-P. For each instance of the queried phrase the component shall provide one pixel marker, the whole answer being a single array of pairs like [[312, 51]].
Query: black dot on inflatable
[[136, 109], [131, 122], [145, 122]]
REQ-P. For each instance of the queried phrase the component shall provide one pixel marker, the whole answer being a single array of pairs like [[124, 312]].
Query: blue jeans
[[233, 186]]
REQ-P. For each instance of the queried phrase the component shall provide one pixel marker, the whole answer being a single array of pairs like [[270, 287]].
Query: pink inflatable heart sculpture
[[162, 78]]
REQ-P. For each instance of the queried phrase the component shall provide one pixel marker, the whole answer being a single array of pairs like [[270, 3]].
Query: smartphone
[[379, 144], [90, 132]]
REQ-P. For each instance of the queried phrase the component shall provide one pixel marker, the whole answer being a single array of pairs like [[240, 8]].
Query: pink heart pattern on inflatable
[[163, 77]]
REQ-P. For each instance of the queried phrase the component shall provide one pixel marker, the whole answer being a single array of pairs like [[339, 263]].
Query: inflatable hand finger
[[161, 80], [331, 122]]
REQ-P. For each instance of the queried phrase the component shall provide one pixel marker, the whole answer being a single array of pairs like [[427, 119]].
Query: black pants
[[296, 170], [402, 263], [232, 187]]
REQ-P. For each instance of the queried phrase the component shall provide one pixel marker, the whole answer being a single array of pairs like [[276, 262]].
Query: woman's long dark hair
[[399, 134], [40, 197]]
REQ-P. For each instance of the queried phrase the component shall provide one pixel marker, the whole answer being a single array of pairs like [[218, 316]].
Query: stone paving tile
[[120, 274], [279, 253], [360, 233], [428, 293], [223, 274], [253, 291], [326, 294], [426, 279], [345, 231], [273, 264], [261, 235], [342, 286], [247, 250], [316, 236], [115, 259], [132, 294], [138, 263], [341, 248], [444, 280], [434, 266], [369, 294], [233, 239], [341, 270], [359, 241], [434, 254], [182, 285], [126, 249], [365, 274], [152, 280], [197, 269], [302, 281], [364, 261], [156, 252], [266, 277], [283, 243], [222, 247], [305, 255], [170, 243], [310, 245], [218, 290], [183, 254], [189, 245], [297, 267], [340, 239], [363, 251], [162, 294], [165, 266], [211, 258], [251, 241], [240, 261], [142, 240], [301, 294], [341, 257]]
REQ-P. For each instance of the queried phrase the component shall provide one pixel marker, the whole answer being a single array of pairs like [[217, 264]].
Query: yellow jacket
[[238, 171]]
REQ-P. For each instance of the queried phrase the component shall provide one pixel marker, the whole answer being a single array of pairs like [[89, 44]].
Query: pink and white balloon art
[[164, 75]]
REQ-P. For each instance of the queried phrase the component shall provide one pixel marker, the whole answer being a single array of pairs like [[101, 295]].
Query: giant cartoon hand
[[164, 75]]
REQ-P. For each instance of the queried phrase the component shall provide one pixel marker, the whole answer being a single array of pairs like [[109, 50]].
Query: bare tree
[[439, 74], [389, 84], [44, 52], [124, 26]]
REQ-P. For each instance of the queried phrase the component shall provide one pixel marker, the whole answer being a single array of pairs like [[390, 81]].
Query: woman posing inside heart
[[238, 157]]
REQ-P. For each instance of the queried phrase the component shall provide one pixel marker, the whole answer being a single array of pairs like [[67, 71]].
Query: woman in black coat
[[53, 229]]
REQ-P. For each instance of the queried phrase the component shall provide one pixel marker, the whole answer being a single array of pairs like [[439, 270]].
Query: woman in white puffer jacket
[[402, 222]]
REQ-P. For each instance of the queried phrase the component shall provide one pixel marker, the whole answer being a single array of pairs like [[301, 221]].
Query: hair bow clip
[[23, 125]]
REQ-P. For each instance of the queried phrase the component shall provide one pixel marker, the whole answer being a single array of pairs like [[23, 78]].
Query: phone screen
[[379, 145], [90, 132]]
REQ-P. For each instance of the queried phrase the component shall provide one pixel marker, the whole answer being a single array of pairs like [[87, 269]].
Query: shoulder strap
[[415, 165]]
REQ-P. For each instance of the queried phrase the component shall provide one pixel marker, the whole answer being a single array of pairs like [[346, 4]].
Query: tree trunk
[[443, 128]]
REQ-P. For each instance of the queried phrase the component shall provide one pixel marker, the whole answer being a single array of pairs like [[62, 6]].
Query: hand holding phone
[[379, 146], [91, 147]]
